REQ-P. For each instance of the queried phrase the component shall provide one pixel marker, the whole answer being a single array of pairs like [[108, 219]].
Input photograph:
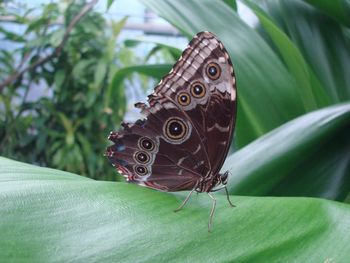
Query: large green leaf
[[321, 40], [311, 92], [337, 9], [308, 156], [52, 216], [267, 92]]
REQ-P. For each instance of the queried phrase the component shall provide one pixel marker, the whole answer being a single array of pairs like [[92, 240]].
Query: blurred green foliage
[[67, 128]]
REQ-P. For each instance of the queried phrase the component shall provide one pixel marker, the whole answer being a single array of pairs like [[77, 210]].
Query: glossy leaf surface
[[53, 216]]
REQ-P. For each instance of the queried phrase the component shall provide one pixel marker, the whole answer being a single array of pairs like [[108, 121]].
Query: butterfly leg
[[185, 201], [211, 212], [228, 197]]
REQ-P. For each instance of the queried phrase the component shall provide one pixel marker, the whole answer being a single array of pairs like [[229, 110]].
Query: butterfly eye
[[146, 144], [213, 71], [198, 90], [141, 170], [175, 129], [141, 157], [184, 99]]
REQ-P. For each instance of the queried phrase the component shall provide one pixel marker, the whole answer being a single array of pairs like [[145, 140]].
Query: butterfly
[[182, 142]]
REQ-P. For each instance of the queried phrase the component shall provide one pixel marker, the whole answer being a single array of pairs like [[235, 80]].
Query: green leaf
[[59, 78], [81, 67], [311, 31], [175, 52], [112, 42], [68, 126], [311, 93], [7, 62], [118, 26], [100, 73], [109, 3], [86, 152], [338, 9], [231, 3], [56, 37], [53, 216], [17, 171], [37, 42], [115, 91], [308, 156], [11, 36], [267, 92], [37, 24]]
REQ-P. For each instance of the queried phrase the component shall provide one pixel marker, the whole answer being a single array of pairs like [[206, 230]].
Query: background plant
[[74, 54]]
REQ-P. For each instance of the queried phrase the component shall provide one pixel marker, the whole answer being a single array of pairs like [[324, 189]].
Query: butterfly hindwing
[[144, 155]]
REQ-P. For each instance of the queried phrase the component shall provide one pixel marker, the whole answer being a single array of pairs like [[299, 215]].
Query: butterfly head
[[216, 183], [224, 178]]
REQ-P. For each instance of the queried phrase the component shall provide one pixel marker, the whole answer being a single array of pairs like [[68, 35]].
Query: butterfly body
[[183, 140]]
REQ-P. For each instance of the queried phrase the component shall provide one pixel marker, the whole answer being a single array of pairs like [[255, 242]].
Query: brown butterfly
[[182, 142]]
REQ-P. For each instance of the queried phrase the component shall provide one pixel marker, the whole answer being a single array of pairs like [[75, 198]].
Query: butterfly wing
[[149, 154], [189, 122], [204, 73]]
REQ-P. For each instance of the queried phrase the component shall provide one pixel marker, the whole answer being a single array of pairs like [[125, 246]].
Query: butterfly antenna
[[228, 197], [211, 212], [185, 201]]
